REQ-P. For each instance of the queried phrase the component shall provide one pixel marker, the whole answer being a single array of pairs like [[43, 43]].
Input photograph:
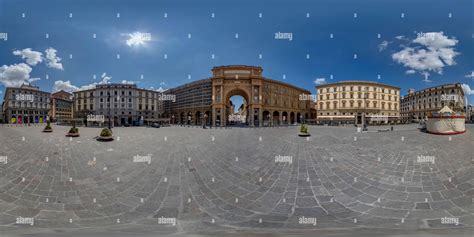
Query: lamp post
[[364, 126], [110, 105]]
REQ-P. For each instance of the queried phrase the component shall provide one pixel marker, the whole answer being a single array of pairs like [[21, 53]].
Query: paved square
[[194, 180]]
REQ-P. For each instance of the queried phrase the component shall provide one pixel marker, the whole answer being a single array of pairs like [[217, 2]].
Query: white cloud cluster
[[67, 86], [470, 75], [383, 45], [467, 89], [64, 86], [16, 75], [320, 81], [429, 52], [129, 82], [161, 89], [32, 57], [52, 60]]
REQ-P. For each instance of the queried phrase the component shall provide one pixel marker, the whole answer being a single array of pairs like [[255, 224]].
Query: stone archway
[[292, 118], [197, 118], [284, 117], [233, 92], [266, 118], [276, 118], [181, 118]]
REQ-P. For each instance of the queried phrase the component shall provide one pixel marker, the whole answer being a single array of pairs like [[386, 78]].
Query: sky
[[160, 44]]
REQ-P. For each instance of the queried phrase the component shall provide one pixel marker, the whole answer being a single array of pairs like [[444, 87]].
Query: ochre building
[[417, 105], [268, 102], [349, 102]]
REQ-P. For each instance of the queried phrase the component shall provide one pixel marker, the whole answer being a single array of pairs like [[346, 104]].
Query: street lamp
[[205, 121], [108, 98], [364, 125]]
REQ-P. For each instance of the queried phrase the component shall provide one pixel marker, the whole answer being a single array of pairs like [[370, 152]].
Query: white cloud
[[411, 71], [426, 75], [399, 37], [52, 60], [382, 46], [32, 57], [161, 89], [15, 75], [129, 82], [162, 83], [470, 75], [431, 52], [467, 89], [69, 87], [138, 38], [64, 86], [320, 81], [436, 40]]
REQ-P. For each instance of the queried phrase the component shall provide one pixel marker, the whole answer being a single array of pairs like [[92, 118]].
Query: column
[[260, 117], [251, 122], [280, 115], [223, 117], [214, 115]]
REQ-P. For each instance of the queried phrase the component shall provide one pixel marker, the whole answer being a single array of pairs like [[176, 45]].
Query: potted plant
[[48, 127], [73, 132], [304, 131], [106, 135]]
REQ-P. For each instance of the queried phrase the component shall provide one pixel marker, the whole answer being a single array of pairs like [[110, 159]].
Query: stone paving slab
[[213, 180]]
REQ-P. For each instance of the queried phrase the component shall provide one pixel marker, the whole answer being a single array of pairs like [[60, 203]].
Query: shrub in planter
[[304, 131], [48, 127], [106, 135], [73, 132]]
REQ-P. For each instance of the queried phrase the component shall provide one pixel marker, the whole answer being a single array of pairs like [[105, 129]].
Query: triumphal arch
[[268, 102]]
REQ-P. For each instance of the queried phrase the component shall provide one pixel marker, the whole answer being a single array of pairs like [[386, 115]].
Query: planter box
[[105, 139], [72, 135], [304, 134], [48, 130]]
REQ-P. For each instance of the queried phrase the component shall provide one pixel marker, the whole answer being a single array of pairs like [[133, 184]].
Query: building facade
[[26, 105], [124, 104], [61, 106], [417, 105], [357, 102], [268, 102], [189, 103]]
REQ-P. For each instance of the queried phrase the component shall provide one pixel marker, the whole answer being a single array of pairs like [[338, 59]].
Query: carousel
[[446, 122]]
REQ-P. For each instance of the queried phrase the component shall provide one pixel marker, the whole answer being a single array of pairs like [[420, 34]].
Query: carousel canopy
[[446, 110]]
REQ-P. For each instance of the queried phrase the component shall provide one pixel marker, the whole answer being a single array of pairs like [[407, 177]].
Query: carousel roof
[[446, 110]]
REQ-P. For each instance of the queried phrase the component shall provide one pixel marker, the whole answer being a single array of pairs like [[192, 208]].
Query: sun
[[138, 38]]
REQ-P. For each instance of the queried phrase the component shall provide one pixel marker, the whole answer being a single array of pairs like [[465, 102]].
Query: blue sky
[[395, 56]]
